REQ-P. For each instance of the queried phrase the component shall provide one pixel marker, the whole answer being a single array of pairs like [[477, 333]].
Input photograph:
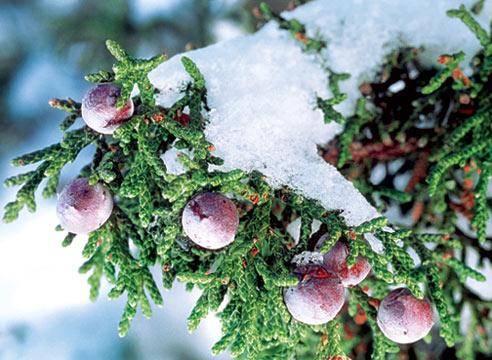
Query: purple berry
[[99, 109], [336, 260], [210, 220], [83, 208], [317, 298], [403, 318]]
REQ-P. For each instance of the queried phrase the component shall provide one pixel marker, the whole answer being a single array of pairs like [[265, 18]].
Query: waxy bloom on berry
[[336, 260], [210, 220], [317, 298], [403, 318], [83, 208], [99, 109]]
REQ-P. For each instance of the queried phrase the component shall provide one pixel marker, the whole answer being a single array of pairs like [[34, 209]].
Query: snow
[[308, 258], [294, 230], [397, 86], [378, 173], [226, 29], [376, 244], [361, 33], [171, 160], [482, 288], [262, 87], [258, 98]]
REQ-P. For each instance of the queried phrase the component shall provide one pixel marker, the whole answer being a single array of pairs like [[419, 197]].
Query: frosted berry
[[403, 318], [317, 298], [99, 109], [83, 208], [336, 260], [210, 220]]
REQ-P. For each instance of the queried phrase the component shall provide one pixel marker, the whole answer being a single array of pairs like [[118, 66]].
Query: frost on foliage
[[262, 88]]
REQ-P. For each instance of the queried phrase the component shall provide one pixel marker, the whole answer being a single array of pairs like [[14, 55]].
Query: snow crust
[[262, 87]]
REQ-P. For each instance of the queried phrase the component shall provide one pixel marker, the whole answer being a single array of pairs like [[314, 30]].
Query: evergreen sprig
[[330, 114], [471, 140], [249, 276], [128, 72], [53, 158], [452, 155], [294, 27]]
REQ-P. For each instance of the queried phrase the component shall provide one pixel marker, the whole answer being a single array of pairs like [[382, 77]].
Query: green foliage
[[453, 156], [330, 114], [248, 277], [331, 343], [100, 77], [482, 36], [53, 158], [326, 106], [452, 62], [128, 72], [352, 129], [471, 140], [381, 345], [294, 27], [479, 221], [449, 325], [196, 75]]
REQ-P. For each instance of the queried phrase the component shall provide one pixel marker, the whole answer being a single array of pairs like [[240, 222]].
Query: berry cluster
[[161, 213], [320, 294], [81, 207], [211, 221]]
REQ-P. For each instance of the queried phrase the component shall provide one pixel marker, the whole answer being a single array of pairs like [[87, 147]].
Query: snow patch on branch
[[360, 34], [262, 87]]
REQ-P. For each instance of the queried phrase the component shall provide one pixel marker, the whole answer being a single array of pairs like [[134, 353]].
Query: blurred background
[[47, 46]]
